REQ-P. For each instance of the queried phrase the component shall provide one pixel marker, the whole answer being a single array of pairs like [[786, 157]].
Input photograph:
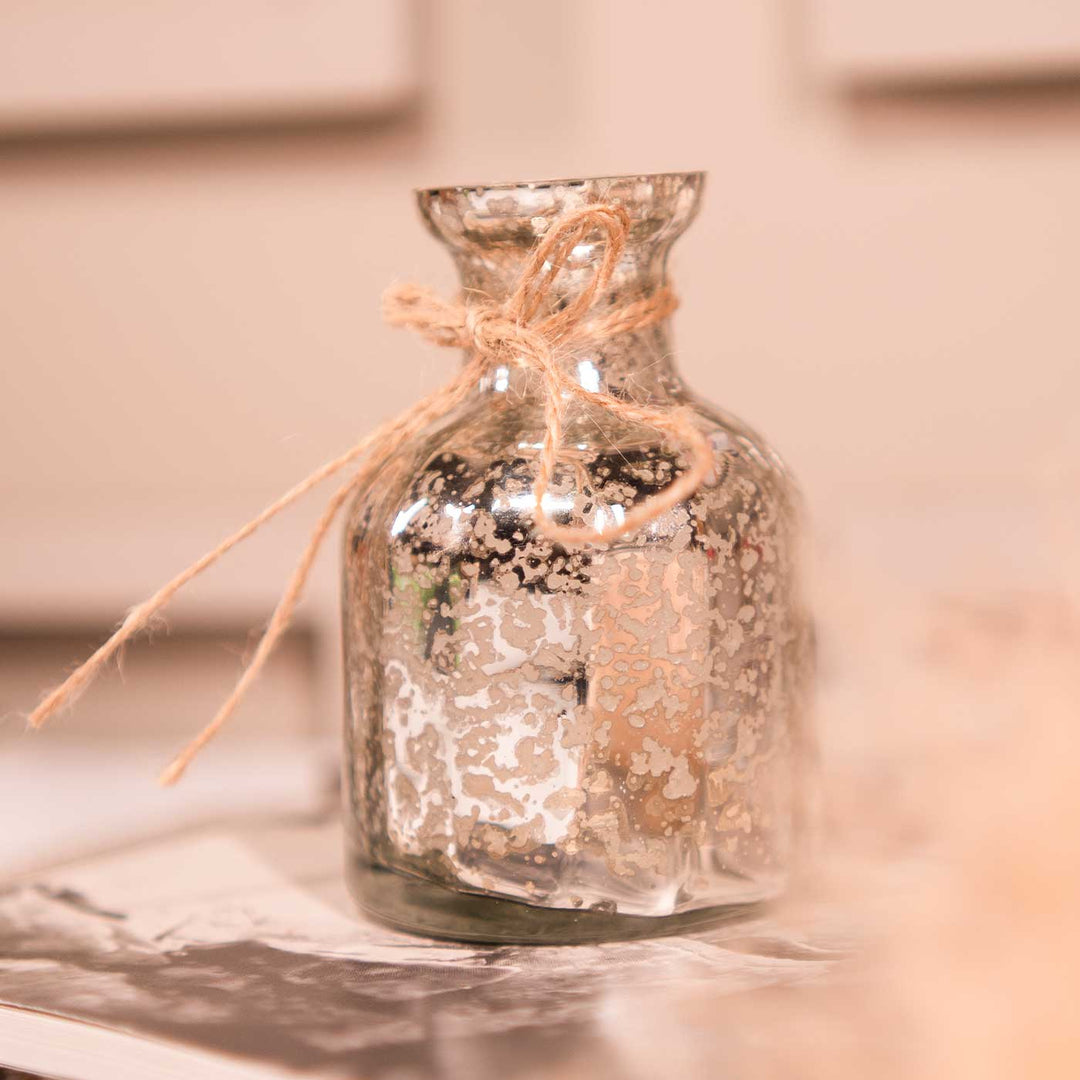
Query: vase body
[[549, 743]]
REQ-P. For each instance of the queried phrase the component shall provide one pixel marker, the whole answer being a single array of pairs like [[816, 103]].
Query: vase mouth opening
[[660, 206]]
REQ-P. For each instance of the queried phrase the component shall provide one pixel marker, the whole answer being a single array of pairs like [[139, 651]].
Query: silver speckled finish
[[554, 744]]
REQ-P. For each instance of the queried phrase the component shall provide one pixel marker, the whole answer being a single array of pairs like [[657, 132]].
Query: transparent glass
[[570, 744]]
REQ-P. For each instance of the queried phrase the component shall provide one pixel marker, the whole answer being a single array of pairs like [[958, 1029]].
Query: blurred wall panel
[[190, 324], [912, 41], [69, 64]]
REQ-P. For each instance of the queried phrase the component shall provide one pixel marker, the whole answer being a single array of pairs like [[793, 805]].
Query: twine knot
[[492, 335]]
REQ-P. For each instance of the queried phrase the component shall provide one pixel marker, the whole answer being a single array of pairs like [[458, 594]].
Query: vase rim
[[516, 214], [692, 176]]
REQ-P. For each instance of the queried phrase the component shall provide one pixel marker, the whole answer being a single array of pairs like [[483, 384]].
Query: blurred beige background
[[883, 281]]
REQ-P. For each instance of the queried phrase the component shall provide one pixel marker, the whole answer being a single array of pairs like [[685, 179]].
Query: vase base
[[417, 906]]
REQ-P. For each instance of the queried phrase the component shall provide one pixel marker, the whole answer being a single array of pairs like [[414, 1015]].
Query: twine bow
[[513, 332]]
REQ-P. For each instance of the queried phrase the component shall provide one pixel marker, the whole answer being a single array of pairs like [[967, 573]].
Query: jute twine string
[[509, 333]]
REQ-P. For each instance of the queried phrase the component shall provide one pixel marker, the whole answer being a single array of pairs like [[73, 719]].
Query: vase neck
[[492, 230]]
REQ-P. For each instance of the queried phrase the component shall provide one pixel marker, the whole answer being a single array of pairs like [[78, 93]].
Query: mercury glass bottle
[[570, 744]]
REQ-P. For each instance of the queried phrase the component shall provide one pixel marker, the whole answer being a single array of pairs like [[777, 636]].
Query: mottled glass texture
[[558, 744]]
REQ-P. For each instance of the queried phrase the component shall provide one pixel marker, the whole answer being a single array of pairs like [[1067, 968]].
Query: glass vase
[[564, 744]]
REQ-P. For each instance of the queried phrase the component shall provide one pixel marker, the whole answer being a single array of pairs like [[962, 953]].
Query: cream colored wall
[[884, 285]]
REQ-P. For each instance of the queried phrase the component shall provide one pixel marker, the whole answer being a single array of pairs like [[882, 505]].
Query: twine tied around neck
[[511, 333]]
